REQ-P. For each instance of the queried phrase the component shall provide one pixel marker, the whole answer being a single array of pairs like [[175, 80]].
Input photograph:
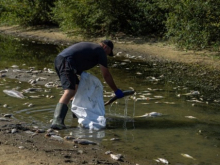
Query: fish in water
[[14, 93], [84, 142], [151, 114], [116, 157], [162, 160], [126, 93], [188, 156]]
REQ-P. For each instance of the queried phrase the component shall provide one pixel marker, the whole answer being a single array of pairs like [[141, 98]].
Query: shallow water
[[141, 139]]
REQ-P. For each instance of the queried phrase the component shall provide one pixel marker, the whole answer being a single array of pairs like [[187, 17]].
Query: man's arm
[[108, 78]]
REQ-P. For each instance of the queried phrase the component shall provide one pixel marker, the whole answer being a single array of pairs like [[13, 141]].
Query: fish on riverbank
[[126, 93], [14, 93]]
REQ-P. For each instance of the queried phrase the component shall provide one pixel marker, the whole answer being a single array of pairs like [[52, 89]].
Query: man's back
[[84, 55]]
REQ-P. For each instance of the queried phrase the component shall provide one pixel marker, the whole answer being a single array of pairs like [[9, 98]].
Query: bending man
[[71, 62]]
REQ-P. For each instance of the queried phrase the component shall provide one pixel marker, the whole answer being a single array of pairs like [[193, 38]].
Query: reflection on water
[[168, 136]]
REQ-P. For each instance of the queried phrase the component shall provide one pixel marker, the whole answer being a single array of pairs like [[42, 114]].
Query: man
[[71, 62]]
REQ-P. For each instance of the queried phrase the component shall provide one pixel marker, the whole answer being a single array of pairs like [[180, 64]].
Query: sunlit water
[[141, 139]]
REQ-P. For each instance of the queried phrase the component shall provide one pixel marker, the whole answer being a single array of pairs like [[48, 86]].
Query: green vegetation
[[188, 24]]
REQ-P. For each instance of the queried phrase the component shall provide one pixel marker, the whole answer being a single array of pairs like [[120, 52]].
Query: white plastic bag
[[88, 103]]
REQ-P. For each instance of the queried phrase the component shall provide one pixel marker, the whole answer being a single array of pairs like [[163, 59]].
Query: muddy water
[[142, 139]]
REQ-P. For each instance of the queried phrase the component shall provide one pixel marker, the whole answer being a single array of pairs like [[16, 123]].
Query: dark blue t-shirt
[[84, 55]]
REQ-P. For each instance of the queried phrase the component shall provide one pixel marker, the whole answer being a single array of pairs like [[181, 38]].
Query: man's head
[[110, 45]]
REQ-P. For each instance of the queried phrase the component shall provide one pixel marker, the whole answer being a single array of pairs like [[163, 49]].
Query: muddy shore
[[202, 70]]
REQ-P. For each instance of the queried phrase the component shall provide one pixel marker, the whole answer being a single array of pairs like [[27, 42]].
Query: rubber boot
[[59, 116]]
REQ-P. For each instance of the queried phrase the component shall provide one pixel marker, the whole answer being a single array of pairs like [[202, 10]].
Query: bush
[[193, 24], [106, 17], [7, 16], [29, 12]]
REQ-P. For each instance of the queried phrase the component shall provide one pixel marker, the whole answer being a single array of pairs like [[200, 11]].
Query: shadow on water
[[166, 136]]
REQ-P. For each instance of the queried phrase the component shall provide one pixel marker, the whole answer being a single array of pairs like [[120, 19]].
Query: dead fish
[[31, 81], [114, 139], [69, 138], [51, 71], [116, 157], [4, 119], [14, 130], [190, 117], [168, 102], [8, 115], [56, 137], [84, 142], [34, 97], [3, 71], [162, 160], [41, 79], [29, 132], [143, 99], [14, 93], [151, 114], [49, 134], [21, 147], [30, 105], [187, 156], [29, 90], [17, 70], [49, 85], [108, 152], [14, 66], [126, 93], [159, 97], [192, 93]]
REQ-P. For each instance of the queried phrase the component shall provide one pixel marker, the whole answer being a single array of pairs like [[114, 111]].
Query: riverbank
[[127, 45], [24, 148], [25, 144]]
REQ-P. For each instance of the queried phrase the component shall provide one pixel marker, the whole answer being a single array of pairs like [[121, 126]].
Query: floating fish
[[151, 114], [14, 66], [143, 98], [114, 139], [192, 93], [190, 117], [14, 93], [159, 97], [188, 156], [162, 160], [84, 142], [126, 93], [116, 157]]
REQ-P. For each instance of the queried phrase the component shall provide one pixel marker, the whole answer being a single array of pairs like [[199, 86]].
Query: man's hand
[[119, 93]]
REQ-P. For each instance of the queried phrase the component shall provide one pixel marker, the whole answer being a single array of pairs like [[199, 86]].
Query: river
[[187, 132]]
